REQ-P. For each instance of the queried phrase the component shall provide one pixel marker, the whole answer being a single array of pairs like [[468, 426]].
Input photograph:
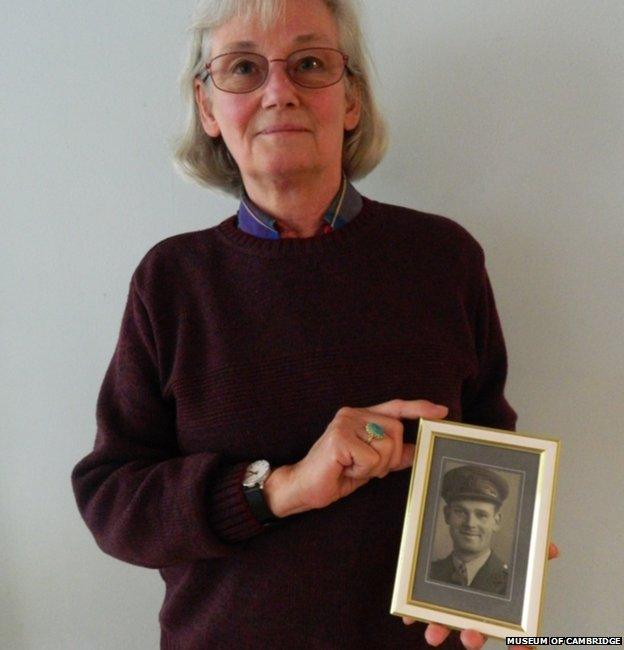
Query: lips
[[282, 128]]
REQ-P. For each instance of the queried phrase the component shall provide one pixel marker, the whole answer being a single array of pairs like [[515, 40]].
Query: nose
[[279, 89], [471, 520]]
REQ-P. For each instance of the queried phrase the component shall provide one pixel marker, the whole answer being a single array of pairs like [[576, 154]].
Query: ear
[[447, 511], [208, 120], [497, 521], [353, 107]]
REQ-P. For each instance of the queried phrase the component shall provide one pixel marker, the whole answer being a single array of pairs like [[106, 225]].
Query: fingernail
[[434, 643]]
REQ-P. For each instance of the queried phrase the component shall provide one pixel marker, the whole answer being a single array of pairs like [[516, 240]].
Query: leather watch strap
[[258, 505]]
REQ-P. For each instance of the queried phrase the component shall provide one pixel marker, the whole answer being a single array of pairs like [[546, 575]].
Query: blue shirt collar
[[345, 206]]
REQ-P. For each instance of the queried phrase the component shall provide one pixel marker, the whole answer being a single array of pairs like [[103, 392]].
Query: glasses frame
[[205, 74]]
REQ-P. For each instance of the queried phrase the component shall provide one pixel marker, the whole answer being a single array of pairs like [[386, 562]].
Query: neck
[[469, 557], [297, 204]]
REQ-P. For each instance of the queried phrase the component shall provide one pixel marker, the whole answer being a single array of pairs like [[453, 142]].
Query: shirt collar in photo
[[472, 567], [345, 206]]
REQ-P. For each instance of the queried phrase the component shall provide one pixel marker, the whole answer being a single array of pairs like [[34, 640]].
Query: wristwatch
[[253, 482]]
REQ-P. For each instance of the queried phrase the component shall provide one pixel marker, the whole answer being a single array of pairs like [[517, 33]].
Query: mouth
[[286, 128]]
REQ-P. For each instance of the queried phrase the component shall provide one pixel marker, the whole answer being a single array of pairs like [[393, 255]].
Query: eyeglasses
[[243, 72]]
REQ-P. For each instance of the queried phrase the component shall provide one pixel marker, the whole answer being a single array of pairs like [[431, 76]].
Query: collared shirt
[[345, 206], [473, 566]]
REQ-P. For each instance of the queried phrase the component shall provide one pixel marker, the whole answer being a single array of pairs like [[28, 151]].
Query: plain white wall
[[507, 116]]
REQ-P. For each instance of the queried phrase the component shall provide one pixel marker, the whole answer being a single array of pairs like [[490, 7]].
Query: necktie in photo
[[460, 575]]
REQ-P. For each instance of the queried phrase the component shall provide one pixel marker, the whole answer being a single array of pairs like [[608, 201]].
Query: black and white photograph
[[476, 527], [477, 524]]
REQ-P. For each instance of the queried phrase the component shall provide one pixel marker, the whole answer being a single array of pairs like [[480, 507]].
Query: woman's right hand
[[342, 460]]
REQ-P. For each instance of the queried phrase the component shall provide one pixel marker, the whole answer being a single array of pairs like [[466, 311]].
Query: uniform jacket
[[491, 577]]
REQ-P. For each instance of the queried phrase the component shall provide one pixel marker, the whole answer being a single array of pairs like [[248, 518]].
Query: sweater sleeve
[[143, 500], [483, 399]]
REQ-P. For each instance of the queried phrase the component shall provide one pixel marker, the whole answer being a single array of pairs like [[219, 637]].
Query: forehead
[[302, 23], [472, 505]]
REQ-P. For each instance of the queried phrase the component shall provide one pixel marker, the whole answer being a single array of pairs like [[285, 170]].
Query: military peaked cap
[[474, 482]]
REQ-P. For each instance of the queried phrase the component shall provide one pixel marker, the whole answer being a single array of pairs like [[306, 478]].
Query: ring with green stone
[[375, 432]]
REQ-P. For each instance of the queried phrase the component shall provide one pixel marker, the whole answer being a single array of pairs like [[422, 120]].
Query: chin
[[286, 166], [469, 547]]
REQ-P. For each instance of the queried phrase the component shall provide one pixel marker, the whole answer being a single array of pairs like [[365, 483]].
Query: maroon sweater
[[234, 348]]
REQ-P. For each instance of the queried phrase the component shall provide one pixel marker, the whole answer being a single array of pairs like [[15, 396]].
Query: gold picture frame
[[477, 528]]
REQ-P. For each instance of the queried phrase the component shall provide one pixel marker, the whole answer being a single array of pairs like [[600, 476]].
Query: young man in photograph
[[473, 496]]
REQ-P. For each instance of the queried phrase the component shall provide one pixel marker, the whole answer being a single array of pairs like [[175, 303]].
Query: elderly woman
[[259, 410]]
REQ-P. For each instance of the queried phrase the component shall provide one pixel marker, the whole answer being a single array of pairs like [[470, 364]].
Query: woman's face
[[243, 120]]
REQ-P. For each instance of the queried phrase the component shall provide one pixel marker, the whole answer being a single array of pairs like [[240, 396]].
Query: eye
[[243, 67], [310, 64]]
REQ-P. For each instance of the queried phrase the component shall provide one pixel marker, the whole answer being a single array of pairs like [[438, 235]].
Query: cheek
[[329, 112], [234, 117]]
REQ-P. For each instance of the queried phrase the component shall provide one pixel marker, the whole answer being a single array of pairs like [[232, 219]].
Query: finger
[[387, 447], [348, 485], [349, 447], [410, 409], [406, 409], [359, 459], [393, 428], [553, 551], [436, 634], [390, 445], [472, 640], [407, 457], [408, 620]]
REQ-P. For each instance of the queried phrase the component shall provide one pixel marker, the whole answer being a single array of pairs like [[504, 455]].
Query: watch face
[[256, 473]]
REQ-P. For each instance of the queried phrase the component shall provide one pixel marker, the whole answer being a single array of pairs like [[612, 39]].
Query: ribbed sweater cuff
[[229, 515]]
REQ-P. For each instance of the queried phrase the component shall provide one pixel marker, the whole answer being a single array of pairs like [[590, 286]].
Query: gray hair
[[207, 160]]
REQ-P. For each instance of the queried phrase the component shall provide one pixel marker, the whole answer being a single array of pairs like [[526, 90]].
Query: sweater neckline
[[360, 226]]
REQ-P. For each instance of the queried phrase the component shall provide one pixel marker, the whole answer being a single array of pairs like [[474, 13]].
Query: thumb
[[407, 456]]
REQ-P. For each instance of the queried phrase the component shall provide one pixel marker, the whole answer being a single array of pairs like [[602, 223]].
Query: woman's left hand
[[436, 634]]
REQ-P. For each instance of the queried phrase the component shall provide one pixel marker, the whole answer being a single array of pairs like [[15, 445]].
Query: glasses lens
[[238, 72], [316, 68]]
